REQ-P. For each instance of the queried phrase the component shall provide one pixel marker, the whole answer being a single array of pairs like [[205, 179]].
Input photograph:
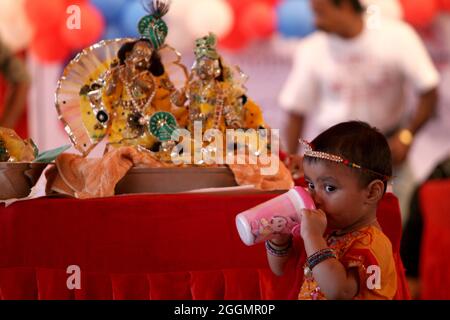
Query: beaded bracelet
[[278, 252], [319, 256]]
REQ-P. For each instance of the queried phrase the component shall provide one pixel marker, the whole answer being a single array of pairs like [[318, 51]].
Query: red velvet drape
[[146, 247]]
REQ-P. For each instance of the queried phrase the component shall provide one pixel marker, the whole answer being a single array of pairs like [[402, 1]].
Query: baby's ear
[[374, 192]]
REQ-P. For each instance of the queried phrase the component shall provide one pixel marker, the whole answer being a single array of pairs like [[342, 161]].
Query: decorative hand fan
[[76, 91]]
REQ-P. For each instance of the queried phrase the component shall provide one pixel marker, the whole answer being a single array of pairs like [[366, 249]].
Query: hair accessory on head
[[206, 47], [152, 26], [309, 152]]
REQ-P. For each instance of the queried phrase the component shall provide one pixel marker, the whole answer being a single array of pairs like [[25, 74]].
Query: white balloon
[[178, 9], [15, 29], [388, 8], [209, 16], [6, 7], [179, 35]]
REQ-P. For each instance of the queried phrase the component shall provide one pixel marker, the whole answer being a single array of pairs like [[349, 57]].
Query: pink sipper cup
[[276, 216]]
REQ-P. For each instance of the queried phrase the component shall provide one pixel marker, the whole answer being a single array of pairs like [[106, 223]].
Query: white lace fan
[[86, 68]]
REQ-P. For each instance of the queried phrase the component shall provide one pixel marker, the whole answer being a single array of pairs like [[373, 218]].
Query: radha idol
[[131, 92], [217, 92]]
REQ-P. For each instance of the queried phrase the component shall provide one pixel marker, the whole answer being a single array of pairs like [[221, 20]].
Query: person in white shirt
[[348, 70]]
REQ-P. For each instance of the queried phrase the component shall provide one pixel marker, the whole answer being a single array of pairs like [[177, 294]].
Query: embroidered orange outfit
[[370, 251]]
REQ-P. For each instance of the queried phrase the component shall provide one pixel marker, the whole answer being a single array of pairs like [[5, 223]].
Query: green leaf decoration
[[51, 155]]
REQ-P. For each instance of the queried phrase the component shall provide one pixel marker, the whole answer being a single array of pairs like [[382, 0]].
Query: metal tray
[[17, 178], [174, 180]]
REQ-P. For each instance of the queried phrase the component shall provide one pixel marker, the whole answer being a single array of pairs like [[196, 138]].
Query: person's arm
[[277, 264], [294, 129], [14, 104], [401, 142], [425, 110], [335, 282], [300, 93], [419, 70]]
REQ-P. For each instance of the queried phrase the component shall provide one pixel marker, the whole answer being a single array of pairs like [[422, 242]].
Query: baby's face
[[336, 190]]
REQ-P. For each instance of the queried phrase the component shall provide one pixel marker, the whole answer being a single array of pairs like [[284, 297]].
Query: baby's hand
[[281, 239], [313, 223]]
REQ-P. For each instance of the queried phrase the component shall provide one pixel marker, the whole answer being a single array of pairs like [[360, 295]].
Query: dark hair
[[357, 6], [156, 67], [358, 143]]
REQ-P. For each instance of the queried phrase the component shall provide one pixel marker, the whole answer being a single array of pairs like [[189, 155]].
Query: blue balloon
[[295, 18], [130, 18], [113, 32], [111, 9]]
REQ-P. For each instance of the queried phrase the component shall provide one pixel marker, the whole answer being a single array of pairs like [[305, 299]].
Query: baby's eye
[[310, 186], [329, 188]]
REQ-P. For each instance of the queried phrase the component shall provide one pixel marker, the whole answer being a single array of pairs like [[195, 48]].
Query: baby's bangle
[[319, 257], [280, 246], [283, 252]]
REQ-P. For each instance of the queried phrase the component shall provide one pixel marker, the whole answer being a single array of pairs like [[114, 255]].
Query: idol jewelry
[[137, 104]]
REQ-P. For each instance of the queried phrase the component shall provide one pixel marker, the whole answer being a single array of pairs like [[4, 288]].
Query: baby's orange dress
[[370, 251]]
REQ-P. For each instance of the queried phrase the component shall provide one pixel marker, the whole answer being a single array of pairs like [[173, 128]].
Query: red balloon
[[444, 5], [258, 20], [45, 14], [235, 40], [91, 27], [239, 5], [271, 3], [419, 13], [75, 2], [49, 48]]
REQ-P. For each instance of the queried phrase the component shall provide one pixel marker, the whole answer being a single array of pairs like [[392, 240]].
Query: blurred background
[[258, 35]]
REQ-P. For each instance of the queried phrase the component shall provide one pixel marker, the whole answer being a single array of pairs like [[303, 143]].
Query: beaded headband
[[309, 152]]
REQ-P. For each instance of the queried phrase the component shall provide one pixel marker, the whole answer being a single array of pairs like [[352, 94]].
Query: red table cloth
[[146, 247], [434, 258]]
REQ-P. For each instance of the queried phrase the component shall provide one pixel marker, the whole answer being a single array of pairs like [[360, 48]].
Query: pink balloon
[[419, 13]]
